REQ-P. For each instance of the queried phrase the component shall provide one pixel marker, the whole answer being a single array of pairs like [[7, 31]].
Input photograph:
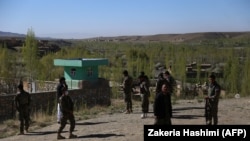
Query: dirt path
[[129, 127]]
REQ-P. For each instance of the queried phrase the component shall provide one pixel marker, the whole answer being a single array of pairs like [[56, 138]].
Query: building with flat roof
[[80, 69]]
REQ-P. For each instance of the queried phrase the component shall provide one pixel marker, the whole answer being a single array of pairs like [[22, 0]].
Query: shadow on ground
[[187, 116], [43, 133], [187, 108], [99, 136], [91, 123], [180, 116]]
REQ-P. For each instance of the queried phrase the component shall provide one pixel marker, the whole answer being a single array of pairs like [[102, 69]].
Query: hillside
[[175, 38], [186, 37], [14, 40], [10, 34]]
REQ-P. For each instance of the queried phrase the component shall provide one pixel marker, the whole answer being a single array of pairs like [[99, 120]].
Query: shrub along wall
[[91, 94]]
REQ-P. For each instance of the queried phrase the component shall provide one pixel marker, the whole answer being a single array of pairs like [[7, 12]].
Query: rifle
[[207, 109]]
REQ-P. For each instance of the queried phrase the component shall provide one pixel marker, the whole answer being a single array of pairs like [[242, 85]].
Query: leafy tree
[[5, 67], [31, 55], [48, 70], [245, 89], [180, 66], [232, 72]]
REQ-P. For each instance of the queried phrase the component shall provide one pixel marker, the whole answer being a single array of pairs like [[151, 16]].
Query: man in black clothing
[[212, 98], [67, 108], [162, 107], [61, 84], [127, 88], [172, 83], [145, 94], [22, 103], [163, 79]]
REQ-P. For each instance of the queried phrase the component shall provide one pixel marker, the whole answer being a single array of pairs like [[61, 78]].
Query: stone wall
[[91, 94]]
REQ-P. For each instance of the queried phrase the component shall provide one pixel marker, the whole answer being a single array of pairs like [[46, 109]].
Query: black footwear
[[59, 137], [71, 136], [21, 133], [127, 112]]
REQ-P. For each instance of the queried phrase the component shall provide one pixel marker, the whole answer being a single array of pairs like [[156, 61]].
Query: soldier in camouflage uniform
[[170, 79], [145, 94], [213, 101], [127, 88], [22, 103], [66, 107], [59, 87]]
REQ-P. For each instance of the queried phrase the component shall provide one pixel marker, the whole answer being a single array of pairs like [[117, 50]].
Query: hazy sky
[[92, 18]]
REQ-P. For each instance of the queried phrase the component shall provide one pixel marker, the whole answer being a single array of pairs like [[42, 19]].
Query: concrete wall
[[91, 94]]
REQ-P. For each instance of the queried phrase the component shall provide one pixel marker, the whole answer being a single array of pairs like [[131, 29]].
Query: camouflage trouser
[[145, 103], [128, 101], [163, 121], [64, 119], [24, 119]]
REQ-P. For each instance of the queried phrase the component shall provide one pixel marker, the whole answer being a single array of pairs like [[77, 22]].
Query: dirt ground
[[129, 127]]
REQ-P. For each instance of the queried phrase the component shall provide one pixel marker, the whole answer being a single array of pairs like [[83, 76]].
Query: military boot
[[59, 137], [127, 112], [21, 133], [71, 136], [130, 111], [27, 130]]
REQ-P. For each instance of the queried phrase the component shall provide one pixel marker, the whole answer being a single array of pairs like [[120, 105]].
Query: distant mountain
[[10, 34], [175, 38], [17, 35]]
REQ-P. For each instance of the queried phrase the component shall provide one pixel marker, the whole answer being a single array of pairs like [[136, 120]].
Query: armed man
[[212, 98], [22, 103], [67, 109]]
